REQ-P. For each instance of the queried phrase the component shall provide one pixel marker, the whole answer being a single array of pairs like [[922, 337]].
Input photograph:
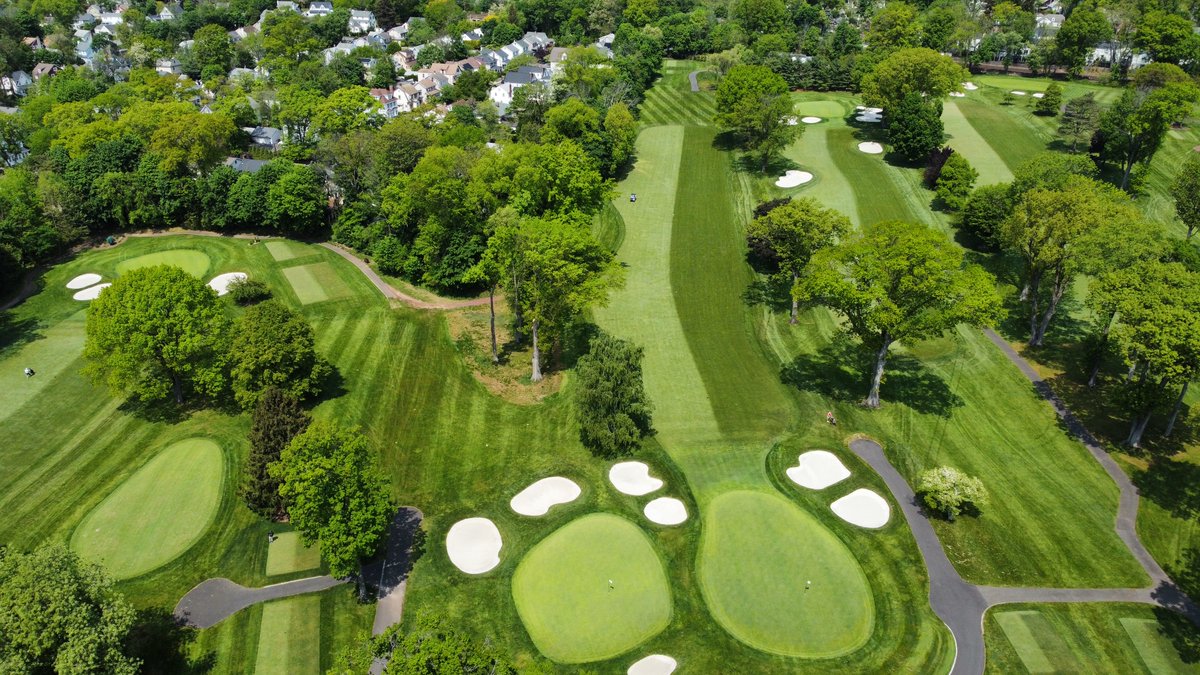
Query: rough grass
[[757, 555], [1106, 638], [157, 513], [192, 261], [592, 590]]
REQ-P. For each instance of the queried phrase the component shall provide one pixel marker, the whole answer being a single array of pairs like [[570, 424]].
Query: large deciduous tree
[[915, 127], [1134, 127], [1186, 193], [157, 332], [752, 101], [792, 233], [610, 400], [918, 70], [59, 614], [335, 494], [276, 420], [1079, 34], [895, 282], [273, 346]]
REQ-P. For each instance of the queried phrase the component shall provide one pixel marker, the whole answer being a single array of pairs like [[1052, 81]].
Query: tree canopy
[[273, 346], [752, 101], [610, 400], [917, 70], [793, 232]]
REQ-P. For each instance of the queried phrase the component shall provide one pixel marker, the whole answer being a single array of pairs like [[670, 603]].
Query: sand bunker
[[220, 283], [537, 499], [875, 111], [869, 117], [970, 86], [666, 511], [818, 469], [860, 107], [83, 281], [474, 545], [633, 478], [871, 148], [90, 293], [864, 508], [655, 664], [793, 178], [957, 94], [810, 120], [1038, 95], [1017, 92]]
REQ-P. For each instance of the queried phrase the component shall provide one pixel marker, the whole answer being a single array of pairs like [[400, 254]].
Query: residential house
[[405, 61], [244, 164], [111, 18], [378, 39], [16, 83], [318, 8], [104, 29], [168, 67], [43, 70], [170, 12], [408, 97], [502, 94], [265, 137], [432, 85], [473, 34], [556, 58], [83, 46], [343, 47], [34, 43], [187, 45], [1106, 54], [1046, 25], [239, 34], [286, 6], [389, 107], [361, 21], [84, 20], [400, 33]]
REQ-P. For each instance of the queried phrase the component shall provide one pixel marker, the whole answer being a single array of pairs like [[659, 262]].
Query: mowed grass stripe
[[1154, 648], [1023, 134], [831, 188], [679, 113], [869, 173], [644, 310], [709, 274], [58, 348], [974, 147], [289, 637]]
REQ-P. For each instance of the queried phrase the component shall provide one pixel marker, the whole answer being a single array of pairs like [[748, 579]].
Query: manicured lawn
[[157, 513], [316, 282], [757, 554], [194, 262], [592, 590], [288, 554], [1088, 638], [284, 249], [971, 144], [289, 637]]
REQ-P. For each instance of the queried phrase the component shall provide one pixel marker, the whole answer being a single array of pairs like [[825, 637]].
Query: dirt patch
[[469, 328]]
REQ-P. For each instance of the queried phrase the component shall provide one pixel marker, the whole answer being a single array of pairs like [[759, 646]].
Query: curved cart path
[[692, 79], [961, 605], [213, 600]]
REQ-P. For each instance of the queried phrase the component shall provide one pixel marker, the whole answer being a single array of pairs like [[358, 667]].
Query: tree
[[955, 182], [1186, 193], [915, 128], [344, 110], [431, 646], [894, 27], [1134, 127], [622, 135], [752, 101], [335, 494], [212, 48], [985, 211], [1168, 38], [924, 72], [948, 491], [296, 201], [276, 420], [793, 232], [1048, 104], [59, 614], [759, 17], [273, 347], [1080, 119], [1079, 34], [156, 332], [192, 143], [565, 271], [898, 281], [1046, 229], [614, 413]]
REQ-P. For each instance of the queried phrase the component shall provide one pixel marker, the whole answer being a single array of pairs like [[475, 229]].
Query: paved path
[[213, 600], [692, 78], [397, 563], [960, 605]]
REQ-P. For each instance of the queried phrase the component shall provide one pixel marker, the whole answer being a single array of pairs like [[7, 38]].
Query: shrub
[[948, 491], [1049, 103], [248, 291], [955, 182], [983, 212], [390, 255]]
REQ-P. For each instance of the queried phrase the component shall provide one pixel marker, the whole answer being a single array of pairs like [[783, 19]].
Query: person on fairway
[[830, 418]]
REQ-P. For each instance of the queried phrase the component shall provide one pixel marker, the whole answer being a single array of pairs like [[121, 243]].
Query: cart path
[[213, 600], [692, 78]]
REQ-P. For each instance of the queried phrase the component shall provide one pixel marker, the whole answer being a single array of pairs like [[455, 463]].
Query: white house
[[400, 33], [318, 8], [111, 19], [389, 107], [83, 45], [343, 47], [473, 34], [265, 137], [168, 67], [286, 6], [170, 12], [408, 97], [502, 94], [361, 21], [16, 84]]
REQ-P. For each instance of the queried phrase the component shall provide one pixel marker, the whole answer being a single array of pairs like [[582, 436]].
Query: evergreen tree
[[1048, 104], [955, 182], [915, 128], [614, 414], [278, 418], [1080, 118]]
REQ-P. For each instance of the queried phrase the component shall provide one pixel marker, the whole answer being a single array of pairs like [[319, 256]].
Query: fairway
[[48, 356], [757, 553], [1155, 650], [974, 147], [157, 513], [288, 554], [191, 261], [284, 249], [1037, 643], [289, 638], [317, 282], [592, 590]]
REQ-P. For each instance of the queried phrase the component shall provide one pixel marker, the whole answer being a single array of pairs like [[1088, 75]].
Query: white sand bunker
[[792, 121], [1017, 92], [655, 664], [869, 117], [793, 178], [633, 478], [1038, 95], [810, 120], [864, 508], [666, 511], [875, 111], [220, 283], [474, 545], [537, 499], [818, 469], [970, 86], [83, 281], [957, 94], [90, 293], [871, 148]]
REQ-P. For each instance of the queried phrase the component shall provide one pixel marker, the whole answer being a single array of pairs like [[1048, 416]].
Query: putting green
[[289, 637], [288, 554], [564, 597], [757, 553], [193, 262], [825, 109], [157, 513]]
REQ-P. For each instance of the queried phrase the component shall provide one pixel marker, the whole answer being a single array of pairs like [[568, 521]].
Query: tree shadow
[[1182, 633], [163, 410], [839, 371], [403, 546], [161, 641], [1175, 487], [16, 332], [332, 386], [773, 292]]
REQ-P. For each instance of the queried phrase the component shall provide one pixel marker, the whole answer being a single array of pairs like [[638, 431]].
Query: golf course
[[752, 539]]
